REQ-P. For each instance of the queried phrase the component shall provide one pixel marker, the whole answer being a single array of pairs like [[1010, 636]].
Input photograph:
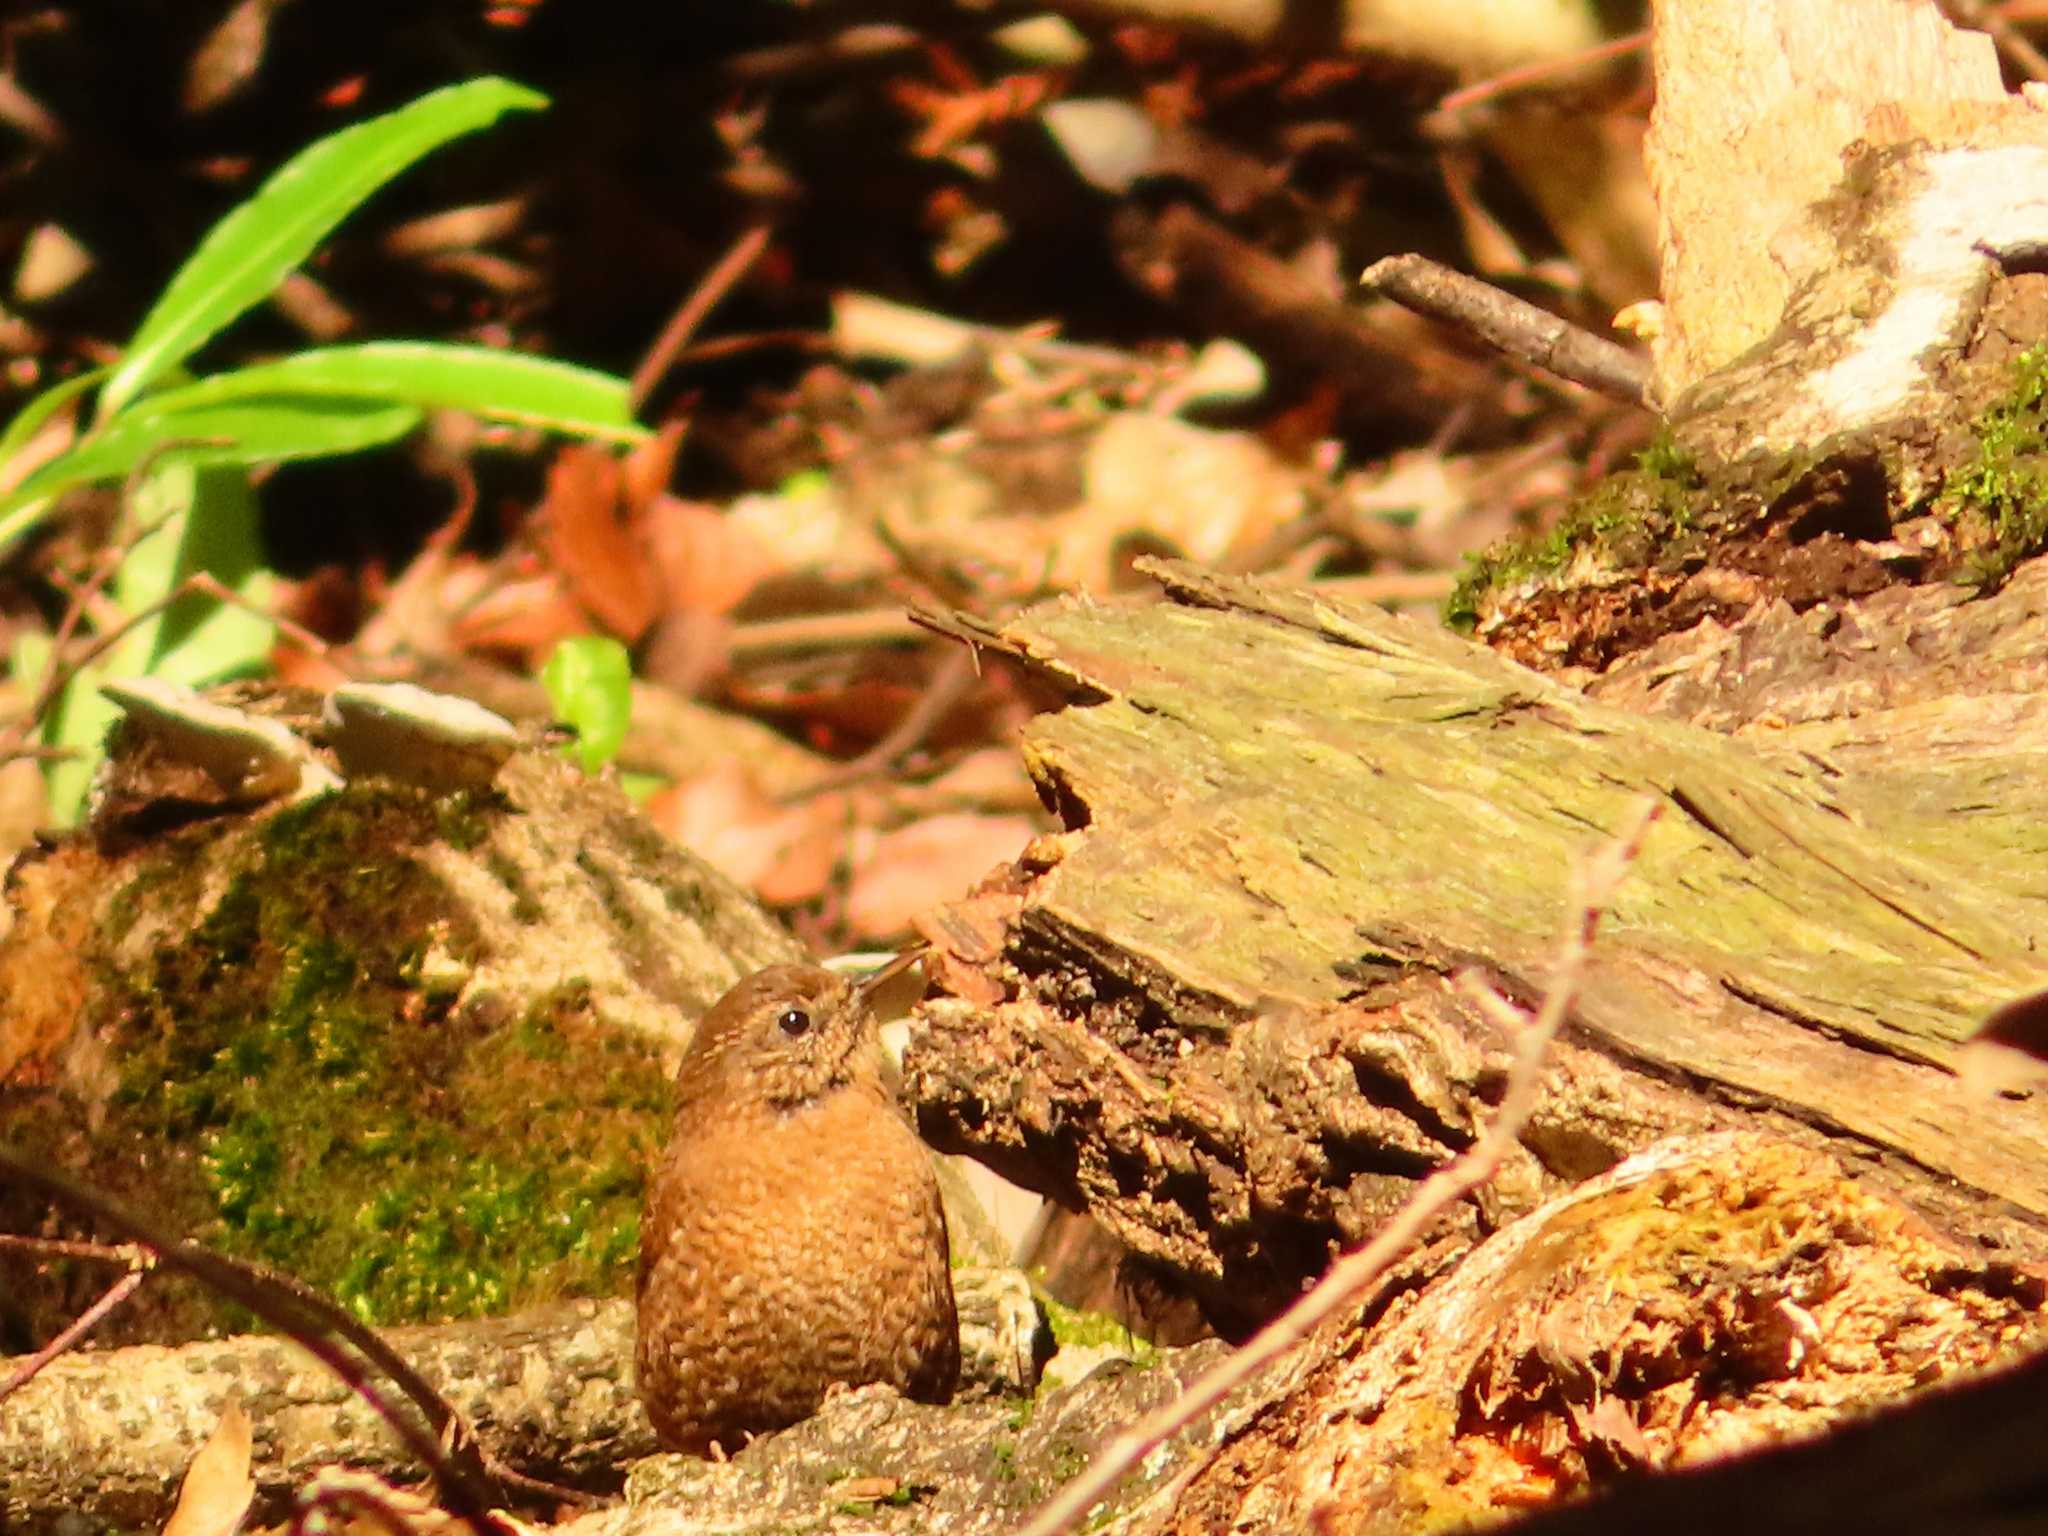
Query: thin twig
[[682, 325], [444, 1444], [1513, 326], [68, 1248], [1595, 884], [791, 340], [824, 631], [1526, 75], [83, 1324]]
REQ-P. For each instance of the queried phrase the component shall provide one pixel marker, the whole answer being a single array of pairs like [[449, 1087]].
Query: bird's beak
[[873, 982]]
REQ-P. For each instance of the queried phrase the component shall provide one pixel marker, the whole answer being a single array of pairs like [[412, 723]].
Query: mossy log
[[1217, 1011]]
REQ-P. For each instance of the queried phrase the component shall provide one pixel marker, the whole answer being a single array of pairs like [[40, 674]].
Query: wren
[[793, 1238]]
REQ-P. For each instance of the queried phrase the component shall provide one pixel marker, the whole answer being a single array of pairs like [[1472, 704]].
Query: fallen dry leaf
[[784, 854], [218, 1486], [591, 547], [526, 617], [706, 563], [915, 868], [644, 472], [988, 781]]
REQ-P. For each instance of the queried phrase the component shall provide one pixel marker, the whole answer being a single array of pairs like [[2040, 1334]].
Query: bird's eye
[[794, 1021]]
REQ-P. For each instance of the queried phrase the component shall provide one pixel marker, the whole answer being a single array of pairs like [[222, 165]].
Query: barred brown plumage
[[793, 1238]]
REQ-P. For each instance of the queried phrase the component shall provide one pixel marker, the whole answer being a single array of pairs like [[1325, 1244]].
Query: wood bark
[[1217, 1012], [106, 1436], [1714, 1295]]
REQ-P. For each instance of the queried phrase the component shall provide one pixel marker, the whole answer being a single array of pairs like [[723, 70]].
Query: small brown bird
[[793, 1237]]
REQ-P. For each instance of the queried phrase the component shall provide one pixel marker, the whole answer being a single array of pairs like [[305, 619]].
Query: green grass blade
[[29, 420], [78, 720], [250, 251], [254, 431], [201, 519], [503, 386]]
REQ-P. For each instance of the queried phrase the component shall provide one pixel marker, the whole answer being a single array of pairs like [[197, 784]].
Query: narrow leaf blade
[[255, 431], [250, 251], [589, 679], [499, 385], [208, 523], [30, 419]]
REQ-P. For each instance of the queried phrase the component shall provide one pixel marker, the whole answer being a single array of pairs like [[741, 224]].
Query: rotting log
[[202, 997], [1712, 1295], [1216, 1011]]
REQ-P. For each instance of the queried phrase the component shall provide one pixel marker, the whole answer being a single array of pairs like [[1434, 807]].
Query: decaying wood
[[1963, 1459], [1850, 229], [106, 1436], [1756, 101], [1240, 1044], [1344, 1289], [1217, 1012], [1713, 1295], [872, 1462], [653, 931], [192, 921], [1522, 330]]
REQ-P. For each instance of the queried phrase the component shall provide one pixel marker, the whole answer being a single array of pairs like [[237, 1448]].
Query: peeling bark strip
[[1241, 1046], [1756, 102]]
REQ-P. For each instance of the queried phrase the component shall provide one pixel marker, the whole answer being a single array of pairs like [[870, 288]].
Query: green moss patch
[[1997, 504], [1622, 524], [345, 1121]]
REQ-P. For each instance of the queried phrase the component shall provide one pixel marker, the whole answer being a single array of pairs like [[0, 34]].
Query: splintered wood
[[1756, 102]]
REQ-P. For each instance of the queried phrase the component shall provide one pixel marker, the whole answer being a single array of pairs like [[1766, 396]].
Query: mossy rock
[[410, 1047]]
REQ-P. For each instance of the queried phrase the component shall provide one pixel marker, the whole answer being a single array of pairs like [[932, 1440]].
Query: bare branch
[[1513, 326]]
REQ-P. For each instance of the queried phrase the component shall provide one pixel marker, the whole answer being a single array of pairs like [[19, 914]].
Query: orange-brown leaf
[[590, 546], [218, 1486], [784, 854], [914, 868]]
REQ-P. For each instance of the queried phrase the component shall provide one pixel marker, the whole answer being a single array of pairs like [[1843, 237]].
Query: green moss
[[1069, 1461], [1998, 504], [901, 1497], [350, 1125], [1070, 1325], [463, 820], [1628, 520]]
